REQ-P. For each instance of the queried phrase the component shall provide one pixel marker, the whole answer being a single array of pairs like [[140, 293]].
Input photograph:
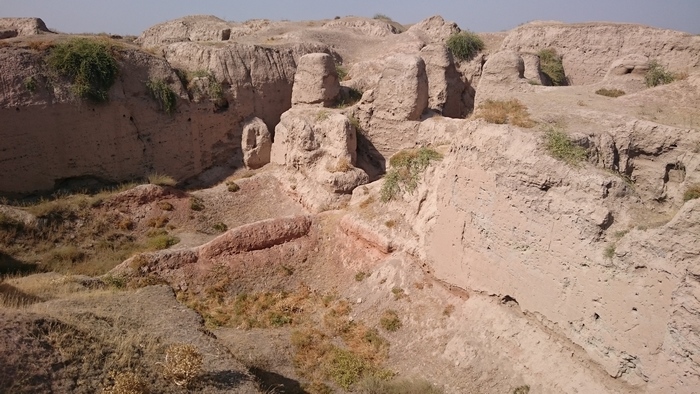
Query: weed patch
[[505, 112], [406, 166], [196, 204], [90, 64], [609, 251], [561, 147], [552, 66], [465, 45], [163, 94], [183, 364], [161, 180]]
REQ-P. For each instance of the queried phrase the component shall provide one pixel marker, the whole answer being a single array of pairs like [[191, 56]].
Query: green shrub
[[220, 227], [561, 147], [610, 92], [160, 90], [551, 66], [90, 64], [692, 192], [406, 166], [232, 186], [465, 45], [346, 368], [657, 75], [162, 241], [196, 204]]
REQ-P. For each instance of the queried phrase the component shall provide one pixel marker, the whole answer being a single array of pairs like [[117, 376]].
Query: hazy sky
[[133, 16]]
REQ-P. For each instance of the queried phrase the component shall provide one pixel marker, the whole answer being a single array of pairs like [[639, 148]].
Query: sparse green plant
[[161, 92], [346, 368], [552, 66], [610, 92], [390, 321], [406, 165], [232, 186], [692, 192], [560, 146], [609, 251], [161, 179], [377, 385], [114, 281], [89, 63], [196, 203], [657, 75], [505, 112], [465, 45], [360, 276], [30, 84], [354, 122], [183, 364], [350, 98]]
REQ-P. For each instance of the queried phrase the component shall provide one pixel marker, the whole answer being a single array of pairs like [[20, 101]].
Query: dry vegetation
[[505, 112]]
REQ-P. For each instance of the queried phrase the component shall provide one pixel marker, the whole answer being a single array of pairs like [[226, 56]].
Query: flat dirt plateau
[[350, 206]]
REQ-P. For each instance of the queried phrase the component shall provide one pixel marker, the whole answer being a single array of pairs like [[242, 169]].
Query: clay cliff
[[580, 271]]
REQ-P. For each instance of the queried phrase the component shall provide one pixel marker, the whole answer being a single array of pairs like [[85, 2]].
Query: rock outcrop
[[14, 27], [189, 28], [402, 92], [256, 143], [315, 81]]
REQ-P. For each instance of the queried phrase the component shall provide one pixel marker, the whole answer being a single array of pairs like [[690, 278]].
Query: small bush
[[166, 206], [522, 390], [657, 75], [30, 84], [161, 92], [341, 71], [161, 180], [552, 66], [360, 276], [505, 112], [89, 64], [406, 165], [561, 147], [382, 17], [183, 364], [390, 321], [692, 192], [232, 186], [465, 45], [220, 227], [610, 92], [609, 251], [346, 368], [398, 293]]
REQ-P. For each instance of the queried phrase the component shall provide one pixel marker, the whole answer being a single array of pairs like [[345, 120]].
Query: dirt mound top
[[14, 27]]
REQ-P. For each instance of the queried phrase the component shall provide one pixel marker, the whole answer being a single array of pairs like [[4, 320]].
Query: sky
[[131, 17]]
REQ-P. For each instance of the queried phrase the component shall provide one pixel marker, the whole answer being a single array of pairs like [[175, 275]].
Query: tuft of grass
[[341, 165], [448, 310], [552, 66], [322, 115], [360, 276], [610, 92], [196, 204], [406, 166], [561, 147], [232, 186], [505, 112], [390, 321], [525, 389], [166, 206], [89, 63], [351, 98], [398, 293], [220, 227], [465, 45], [161, 179], [183, 364], [161, 92], [692, 192], [657, 75]]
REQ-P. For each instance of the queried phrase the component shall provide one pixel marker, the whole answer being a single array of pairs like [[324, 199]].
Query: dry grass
[[610, 92], [127, 383], [161, 180], [340, 165], [390, 321], [505, 112], [374, 385], [560, 146], [692, 192], [183, 364]]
